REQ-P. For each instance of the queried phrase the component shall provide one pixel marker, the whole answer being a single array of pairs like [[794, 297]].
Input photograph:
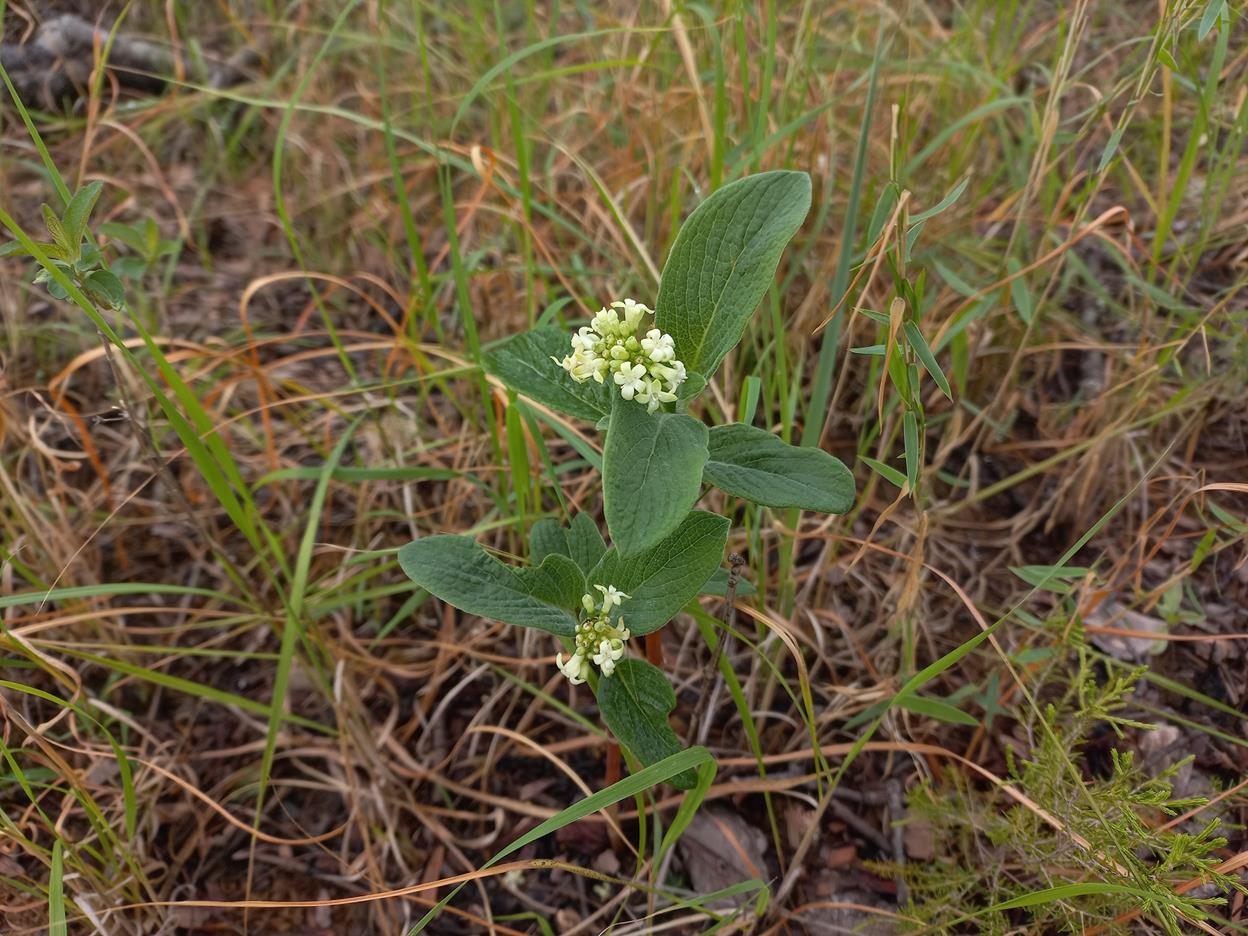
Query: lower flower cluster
[[598, 640], [645, 369]]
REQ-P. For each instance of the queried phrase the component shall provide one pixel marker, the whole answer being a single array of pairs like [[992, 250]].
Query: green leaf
[[954, 194], [910, 435], [57, 925], [56, 229], [750, 393], [663, 579], [635, 703], [104, 285], [761, 467], [128, 234], [79, 210], [695, 758], [131, 268], [556, 580], [724, 260], [884, 206], [941, 711], [523, 362], [1209, 19], [151, 237], [580, 541], [887, 472], [1056, 579], [548, 537], [362, 475], [693, 385], [1156, 293], [90, 258], [1111, 147], [925, 355], [920, 705], [15, 249], [651, 473], [460, 572], [1021, 296]]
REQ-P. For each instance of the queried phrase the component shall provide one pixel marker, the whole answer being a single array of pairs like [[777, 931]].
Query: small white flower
[[672, 378], [633, 311], [606, 323], [631, 380], [587, 602], [653, 395], [658, 346], [576, 668], [609, 648], [611, 597], [584, 339], [610, 652]]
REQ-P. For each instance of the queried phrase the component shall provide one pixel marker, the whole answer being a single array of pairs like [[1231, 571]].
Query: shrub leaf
[[663, 579], [723, 261], [580, 541], [523, 362], [755, 464], [635, 702], [460, 572], [651, 473]]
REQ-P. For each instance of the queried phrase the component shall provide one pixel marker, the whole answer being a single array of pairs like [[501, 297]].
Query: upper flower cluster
[[645, 370], [597, 639]]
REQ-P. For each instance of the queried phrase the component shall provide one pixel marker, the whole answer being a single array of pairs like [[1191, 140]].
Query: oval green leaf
[[651, 473], [762, 468], [460, 572], [663, 579], [580, 541], [523, 362], [723, 261], [635, 703]]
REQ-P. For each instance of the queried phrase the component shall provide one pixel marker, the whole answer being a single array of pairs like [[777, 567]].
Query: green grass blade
[[697, 758], [192, 688], [117, 588], [293, 629], [53, 172], [56, 892]]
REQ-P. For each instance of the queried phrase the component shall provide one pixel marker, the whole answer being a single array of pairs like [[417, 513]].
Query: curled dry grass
[[1101, 352]]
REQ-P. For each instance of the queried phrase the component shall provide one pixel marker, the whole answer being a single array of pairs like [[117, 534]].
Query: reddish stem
[[654, 648], [613, 763], [613, 776]]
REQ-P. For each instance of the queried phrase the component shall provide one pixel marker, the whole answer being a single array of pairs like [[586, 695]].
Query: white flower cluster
[[645, 370], [597, 639]]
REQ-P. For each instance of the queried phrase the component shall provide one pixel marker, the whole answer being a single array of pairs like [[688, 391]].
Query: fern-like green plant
[[1001, 865]]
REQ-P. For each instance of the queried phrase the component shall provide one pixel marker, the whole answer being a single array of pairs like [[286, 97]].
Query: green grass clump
[[1057, 829]]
